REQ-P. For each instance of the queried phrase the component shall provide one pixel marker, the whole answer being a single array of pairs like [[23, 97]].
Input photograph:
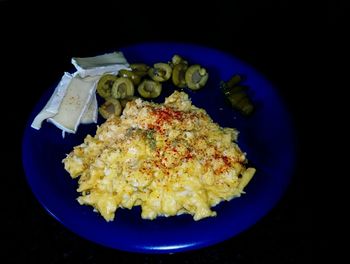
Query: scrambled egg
[[169, 158]]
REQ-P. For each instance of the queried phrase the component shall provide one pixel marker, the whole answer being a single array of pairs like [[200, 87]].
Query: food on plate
[[148, 80], [140, 69], [110, 107], [122, 88], [196, 77], [234, 80], [124, 101], [74, 100], [177, 59], [149, 88], [236, 94], [160, 72], [75, 103], [105, 84], [90, 114], [52, 106], [178, 76], [136, 79], [71, 102], [178, 70], [169, 158], [115, 88]]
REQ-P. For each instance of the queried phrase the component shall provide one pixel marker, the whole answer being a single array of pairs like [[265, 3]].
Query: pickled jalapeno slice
[[234, 80], [237, 95], [245, 106], [235, 89]]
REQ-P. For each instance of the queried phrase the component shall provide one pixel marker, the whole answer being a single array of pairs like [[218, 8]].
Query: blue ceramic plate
[[267, 138]]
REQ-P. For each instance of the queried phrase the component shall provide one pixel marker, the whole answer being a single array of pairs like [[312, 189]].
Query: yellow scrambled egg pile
[[169, 158]]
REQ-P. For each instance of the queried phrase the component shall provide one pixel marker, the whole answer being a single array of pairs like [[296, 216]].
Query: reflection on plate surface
[[267, 137]]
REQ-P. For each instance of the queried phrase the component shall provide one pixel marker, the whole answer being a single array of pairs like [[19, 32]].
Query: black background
[[37, 43]]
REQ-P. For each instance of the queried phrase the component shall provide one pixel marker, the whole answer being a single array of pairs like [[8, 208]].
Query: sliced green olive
[[136, 79], [176, 59], [196, 77], [105, 84], [160, 72], [149, 89], [122, 88], [140, 69], [124, 101], [178, 75], [110, 107]]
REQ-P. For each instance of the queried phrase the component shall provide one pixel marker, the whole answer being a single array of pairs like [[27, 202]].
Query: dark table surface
[[265, 34]]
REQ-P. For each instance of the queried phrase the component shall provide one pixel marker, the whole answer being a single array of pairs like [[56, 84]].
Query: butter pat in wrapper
[[73, 100], [98, 65], [90, 114], [53, 105]]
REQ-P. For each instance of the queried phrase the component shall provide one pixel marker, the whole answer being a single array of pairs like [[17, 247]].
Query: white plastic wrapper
[[98, 65], [53, 105], [73, 101]]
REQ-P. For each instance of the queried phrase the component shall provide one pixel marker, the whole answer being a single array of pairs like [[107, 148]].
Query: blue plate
[[267, 137]]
